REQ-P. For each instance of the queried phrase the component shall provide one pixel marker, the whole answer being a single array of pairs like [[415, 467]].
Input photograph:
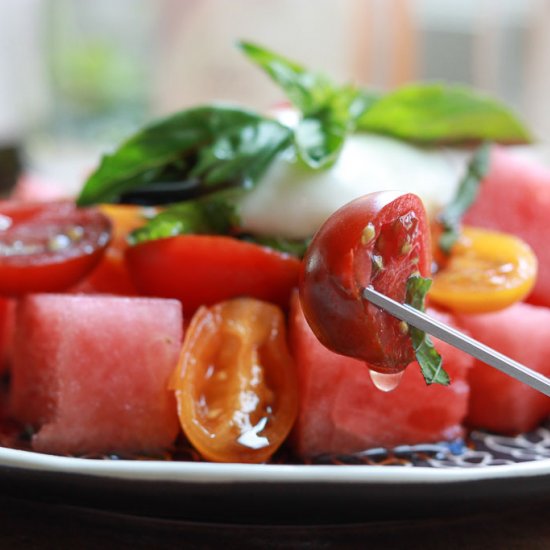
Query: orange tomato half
[[235, 383], [486, 271]]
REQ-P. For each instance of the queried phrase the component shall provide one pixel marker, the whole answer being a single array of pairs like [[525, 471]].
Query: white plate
[[476, 479]]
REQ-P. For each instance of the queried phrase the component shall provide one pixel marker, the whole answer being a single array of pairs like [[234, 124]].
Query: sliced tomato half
[[236, 383], [381, 240], [485, 271], [48, 247]]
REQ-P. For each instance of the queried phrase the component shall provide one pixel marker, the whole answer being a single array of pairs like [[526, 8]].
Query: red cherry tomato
[[48, 247], [380, 240], [204, 269]]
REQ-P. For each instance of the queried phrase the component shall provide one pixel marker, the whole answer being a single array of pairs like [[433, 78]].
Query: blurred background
[[78, 76]]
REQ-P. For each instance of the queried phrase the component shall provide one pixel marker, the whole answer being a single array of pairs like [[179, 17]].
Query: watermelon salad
[[204, 289]]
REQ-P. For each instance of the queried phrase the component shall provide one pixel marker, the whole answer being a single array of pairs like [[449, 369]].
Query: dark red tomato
[[204, 270], [380, 240], [48, 247]]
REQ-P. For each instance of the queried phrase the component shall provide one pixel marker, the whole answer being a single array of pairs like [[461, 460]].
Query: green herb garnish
[[218, 145], [468, 188], [440, 113], [329, 112], [214, 214], [206, 150], [431, 363]]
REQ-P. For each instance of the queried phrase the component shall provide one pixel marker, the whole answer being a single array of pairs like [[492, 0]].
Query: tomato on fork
[[380, 239]]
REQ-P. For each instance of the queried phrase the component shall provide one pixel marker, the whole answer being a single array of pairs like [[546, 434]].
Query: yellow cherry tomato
[[486, 271], [236, 384]]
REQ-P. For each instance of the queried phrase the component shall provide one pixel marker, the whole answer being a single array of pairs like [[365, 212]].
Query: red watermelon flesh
[[7, 322], [498, 402], [342, 412], [91, 372], [515, 198]]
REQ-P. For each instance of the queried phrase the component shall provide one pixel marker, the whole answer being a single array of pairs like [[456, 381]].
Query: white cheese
[[293, 201]]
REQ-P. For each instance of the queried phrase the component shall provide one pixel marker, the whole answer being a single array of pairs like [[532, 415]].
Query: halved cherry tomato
[[486, 271], [111, 275], [47, 247], [380, 239], [204, 269], [236, 383]]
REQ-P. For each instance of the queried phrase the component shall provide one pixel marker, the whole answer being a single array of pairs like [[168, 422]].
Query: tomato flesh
[[206, 269], [48, 247], [380, 239], [235, 383], [486, 271]]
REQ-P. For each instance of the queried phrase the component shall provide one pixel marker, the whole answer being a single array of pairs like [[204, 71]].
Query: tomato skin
[[204, 269], [236, 383], [61, 244], [339, 264]]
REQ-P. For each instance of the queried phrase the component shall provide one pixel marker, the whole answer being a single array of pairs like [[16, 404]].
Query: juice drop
[[386, 382]]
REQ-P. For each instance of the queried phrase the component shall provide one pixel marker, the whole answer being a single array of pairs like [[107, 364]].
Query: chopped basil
[[467, 191], [215, 214], [431, 363]]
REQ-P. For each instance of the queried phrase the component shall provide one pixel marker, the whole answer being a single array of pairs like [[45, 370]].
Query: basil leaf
[[215, 214], [233, 145], [320, 137], [329, 111], [431, 363], [306, 90], [468, 188], [242, 153], [437, 113]]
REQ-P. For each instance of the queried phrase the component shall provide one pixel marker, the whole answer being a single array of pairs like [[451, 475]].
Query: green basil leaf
[[361, 102], [214, 214], [468, 188], [306, 90], [431, 363], [242, 153], [233, 145], [320, 137], [437, 113], [329, 111]]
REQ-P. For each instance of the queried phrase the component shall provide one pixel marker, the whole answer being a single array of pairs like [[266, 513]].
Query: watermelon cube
[[341, 411], [90, 373], [498, 402], [7, 325], [515, 198]]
